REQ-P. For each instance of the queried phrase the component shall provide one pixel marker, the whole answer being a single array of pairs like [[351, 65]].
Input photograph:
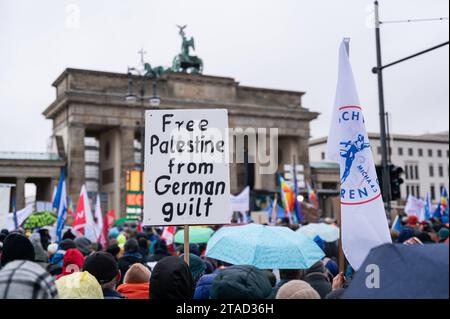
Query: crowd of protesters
[[140, 265]]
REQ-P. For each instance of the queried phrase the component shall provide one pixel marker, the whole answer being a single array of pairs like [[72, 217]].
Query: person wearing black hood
[[69, 235], [317, 277], [130, 257], [160, 251], [143, 247], [45, 238], [16, 247], [171, 279]]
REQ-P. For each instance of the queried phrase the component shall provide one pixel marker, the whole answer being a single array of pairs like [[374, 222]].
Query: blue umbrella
[[265, 247], [327, 232], [405, 272]]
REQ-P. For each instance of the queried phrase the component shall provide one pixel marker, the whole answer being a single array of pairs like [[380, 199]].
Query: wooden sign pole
[[186, 244]]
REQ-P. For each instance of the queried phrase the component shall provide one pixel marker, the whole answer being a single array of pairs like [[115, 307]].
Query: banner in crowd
[[186, 167], [21, 215], [241, 202], [5, 196], [363, 218]]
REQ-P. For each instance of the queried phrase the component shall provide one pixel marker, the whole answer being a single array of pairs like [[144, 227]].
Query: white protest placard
[[187, 179]]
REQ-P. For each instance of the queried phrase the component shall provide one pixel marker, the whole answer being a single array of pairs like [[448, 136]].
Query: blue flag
[[397, 224], [16, 224], [427, 207], [60, 205]]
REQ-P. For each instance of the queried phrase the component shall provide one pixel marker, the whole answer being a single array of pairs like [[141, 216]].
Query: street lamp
[[143, 73]]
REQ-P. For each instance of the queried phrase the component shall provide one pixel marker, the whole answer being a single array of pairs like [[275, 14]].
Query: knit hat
[[102, 266], [52, 248], [84, 245], [16, 247], [297, 289], [66, 244], [72, 262], [131, 246], [413, 220], [137, 274]]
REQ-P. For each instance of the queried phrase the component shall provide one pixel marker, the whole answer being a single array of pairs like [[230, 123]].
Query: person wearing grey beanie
[[297, 289]]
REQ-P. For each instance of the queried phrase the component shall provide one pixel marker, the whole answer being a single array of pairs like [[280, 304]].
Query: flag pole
[[186, 244], [341, 257], [274, 209]]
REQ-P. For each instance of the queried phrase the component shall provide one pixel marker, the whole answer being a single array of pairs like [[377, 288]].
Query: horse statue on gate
[[184, 62]]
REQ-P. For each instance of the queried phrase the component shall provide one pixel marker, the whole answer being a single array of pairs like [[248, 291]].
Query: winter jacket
[[23, 279], [134, 291], [203, 289], [112, 294], [242, 282]]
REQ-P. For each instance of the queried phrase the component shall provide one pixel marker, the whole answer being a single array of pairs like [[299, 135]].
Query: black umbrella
[[405, 272]]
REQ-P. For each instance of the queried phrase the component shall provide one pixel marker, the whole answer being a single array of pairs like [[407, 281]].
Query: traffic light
[[396, 173], [395, 177]]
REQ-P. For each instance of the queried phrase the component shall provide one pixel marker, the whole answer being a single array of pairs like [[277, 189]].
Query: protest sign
[[186, 167]]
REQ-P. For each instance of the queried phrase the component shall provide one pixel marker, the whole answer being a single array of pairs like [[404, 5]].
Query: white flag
[[363, 218], [99, 218], [415, 207], [89, 228], [241, 202]]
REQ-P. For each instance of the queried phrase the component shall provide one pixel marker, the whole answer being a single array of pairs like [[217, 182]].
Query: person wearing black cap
[[16, 247], [104, 268]]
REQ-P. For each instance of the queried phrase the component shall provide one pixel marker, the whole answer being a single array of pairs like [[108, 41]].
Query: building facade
[[100, 132], [424, 159]]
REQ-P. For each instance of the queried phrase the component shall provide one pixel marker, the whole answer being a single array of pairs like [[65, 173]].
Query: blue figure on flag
[[349, 153]]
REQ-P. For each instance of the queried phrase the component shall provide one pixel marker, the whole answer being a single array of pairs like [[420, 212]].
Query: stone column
[[126, 160], [75, 156], [20, 193]]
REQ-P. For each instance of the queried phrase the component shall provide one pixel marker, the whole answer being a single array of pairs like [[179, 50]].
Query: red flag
[[168, 234], [110, 218], [103, 238], [108, 222], [79, 218]]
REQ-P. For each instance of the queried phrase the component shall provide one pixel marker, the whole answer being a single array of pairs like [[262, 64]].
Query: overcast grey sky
[[285, 44]]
